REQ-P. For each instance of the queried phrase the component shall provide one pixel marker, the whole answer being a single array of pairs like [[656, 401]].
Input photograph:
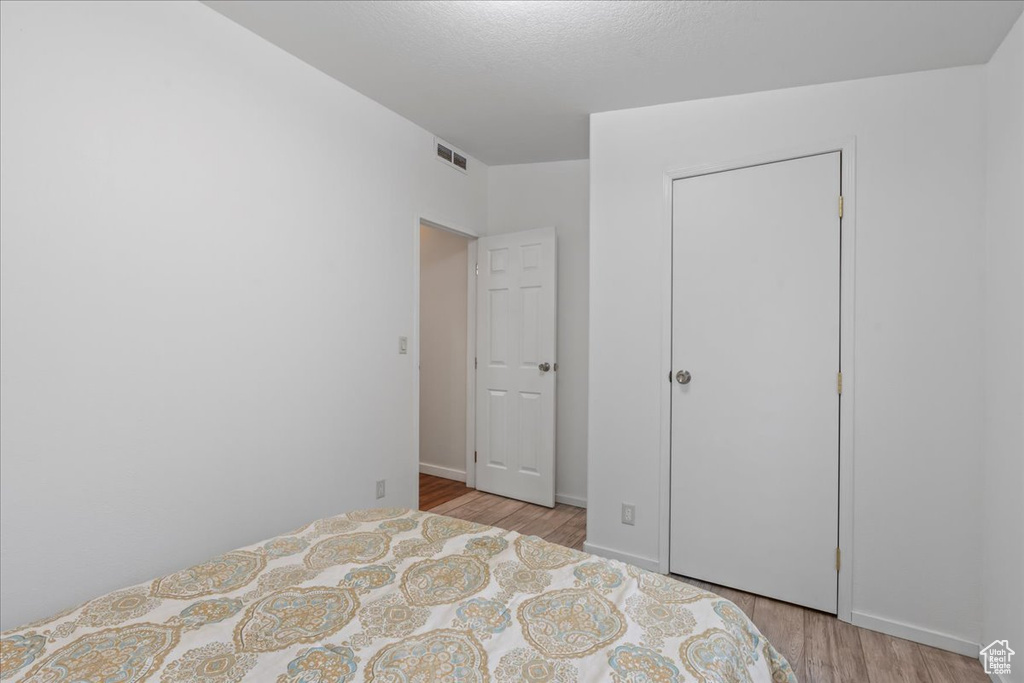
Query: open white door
[[515, 378], [755, 432]]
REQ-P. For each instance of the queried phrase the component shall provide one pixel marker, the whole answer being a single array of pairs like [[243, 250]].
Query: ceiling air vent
[[450, 157]]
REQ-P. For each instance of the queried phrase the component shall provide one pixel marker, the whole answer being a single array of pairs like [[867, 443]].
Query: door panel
[[497, 428], [515, 337], [755, 434]]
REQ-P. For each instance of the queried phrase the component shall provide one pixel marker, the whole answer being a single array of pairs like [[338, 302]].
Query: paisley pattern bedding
[[396, 595]]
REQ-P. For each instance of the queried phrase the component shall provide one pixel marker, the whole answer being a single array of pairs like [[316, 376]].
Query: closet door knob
[[683, 377], [544, 367]]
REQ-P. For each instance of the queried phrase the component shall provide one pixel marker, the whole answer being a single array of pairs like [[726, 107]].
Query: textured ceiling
[[513, 82]]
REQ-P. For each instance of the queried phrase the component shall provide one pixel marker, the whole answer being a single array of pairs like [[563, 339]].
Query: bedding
[[398, 595]]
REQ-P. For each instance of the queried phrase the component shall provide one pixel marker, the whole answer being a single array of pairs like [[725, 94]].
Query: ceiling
[[514, 82]]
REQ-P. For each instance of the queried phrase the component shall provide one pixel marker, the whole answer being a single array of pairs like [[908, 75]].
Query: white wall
[[444, 284], [527, 196], [1003, 558], [919, 371], [193, 225]]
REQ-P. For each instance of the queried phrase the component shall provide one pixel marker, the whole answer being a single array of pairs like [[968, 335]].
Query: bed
[[395, 595]]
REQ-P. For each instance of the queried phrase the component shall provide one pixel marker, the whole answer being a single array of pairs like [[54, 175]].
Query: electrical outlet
[[380, 488], [628, 514], [403, 347]]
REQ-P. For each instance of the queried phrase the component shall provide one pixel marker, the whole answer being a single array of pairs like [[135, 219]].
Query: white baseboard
[[943, 641], [575, 501], [635, 560], [997, 678], [446, 472]]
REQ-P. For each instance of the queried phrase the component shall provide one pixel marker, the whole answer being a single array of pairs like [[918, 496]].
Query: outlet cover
[[628, 514], [380, 488]]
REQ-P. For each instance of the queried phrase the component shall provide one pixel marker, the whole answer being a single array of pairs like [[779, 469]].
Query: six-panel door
[[515, 389]]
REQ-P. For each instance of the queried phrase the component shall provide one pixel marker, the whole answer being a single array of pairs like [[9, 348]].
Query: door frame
[[472, 238], [847, 147]]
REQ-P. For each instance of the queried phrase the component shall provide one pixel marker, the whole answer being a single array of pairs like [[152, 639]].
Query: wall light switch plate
[[403, 345], [380, 488], [628, 514]]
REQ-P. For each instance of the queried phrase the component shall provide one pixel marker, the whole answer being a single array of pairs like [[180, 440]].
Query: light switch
[[403, 345]]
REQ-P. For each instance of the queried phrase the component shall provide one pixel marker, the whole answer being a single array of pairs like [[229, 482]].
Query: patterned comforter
[[396, 595]]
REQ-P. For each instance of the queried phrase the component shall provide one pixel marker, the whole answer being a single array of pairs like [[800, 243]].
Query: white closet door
[[515, 390], [755, 432]]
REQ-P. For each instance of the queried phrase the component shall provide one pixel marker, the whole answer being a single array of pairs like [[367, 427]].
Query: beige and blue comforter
[[399, 596]]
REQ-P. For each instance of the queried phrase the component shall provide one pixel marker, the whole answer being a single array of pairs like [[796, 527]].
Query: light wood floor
[[820, 648]]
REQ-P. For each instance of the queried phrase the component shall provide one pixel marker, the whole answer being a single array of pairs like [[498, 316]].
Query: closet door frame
[[847, 147]]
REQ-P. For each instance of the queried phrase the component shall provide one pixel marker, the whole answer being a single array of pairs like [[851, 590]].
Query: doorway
[[755, 400], [445, 415], [498, 404]]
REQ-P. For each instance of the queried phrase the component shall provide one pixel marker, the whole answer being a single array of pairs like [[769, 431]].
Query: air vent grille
[[450, 156]]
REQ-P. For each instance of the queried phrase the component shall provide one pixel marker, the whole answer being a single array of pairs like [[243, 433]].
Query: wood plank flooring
[[436, 490], [820, 648]]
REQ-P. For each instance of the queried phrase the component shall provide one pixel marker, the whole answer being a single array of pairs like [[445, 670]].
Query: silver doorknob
[[683, 377], [544, 367]]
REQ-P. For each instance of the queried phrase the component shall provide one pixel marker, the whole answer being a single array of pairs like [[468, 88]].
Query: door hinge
[[840, 206], [839, 557], [475, 364], [474, 456], [478, 269], [839, 383]]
